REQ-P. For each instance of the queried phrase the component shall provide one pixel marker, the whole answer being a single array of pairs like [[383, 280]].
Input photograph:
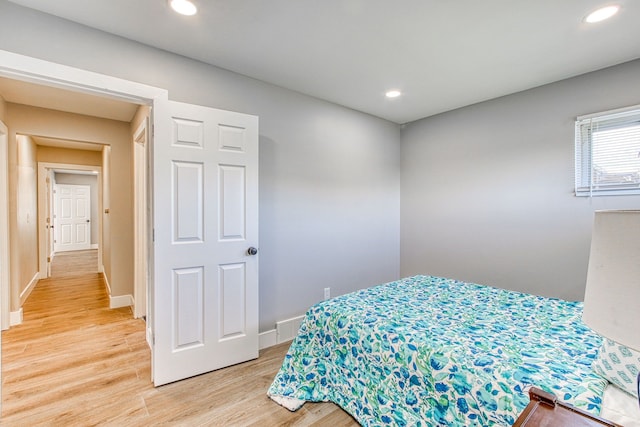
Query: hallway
[[73, 358]]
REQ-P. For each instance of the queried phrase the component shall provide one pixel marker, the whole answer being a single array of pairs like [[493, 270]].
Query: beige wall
[[2, 108], [25, 221], [118, 251], [69, 156]]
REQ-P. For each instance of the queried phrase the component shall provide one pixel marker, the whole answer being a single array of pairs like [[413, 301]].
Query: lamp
[[612, 295]]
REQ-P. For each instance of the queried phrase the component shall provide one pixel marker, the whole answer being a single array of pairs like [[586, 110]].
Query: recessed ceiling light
[[393, 93], [184, 7], [602, 14]]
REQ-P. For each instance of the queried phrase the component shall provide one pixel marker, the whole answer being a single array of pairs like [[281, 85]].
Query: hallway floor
[[74, 361]]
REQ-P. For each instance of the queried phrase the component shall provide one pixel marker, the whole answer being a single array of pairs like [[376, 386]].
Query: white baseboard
[[94, 246], [15, 317], [287, 329], [27, 291], [121, 301], [267, 339]]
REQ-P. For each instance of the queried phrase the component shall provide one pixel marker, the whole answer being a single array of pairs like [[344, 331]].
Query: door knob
[[252, 251]]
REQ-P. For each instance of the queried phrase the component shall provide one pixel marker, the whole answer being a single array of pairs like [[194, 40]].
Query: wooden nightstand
[[544, 409]]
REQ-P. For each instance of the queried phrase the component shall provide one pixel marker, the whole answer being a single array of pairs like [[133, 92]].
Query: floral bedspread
[[429, 351]]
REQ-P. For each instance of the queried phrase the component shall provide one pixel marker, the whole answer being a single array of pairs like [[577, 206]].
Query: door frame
[[26, 68], [4, 228], [140, 221], [45, 211]]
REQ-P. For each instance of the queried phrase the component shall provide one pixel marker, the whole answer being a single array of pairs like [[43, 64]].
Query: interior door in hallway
[[205, 293], [72, 221]]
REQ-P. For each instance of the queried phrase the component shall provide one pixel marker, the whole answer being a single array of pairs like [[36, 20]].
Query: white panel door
[[72, 221], [205, 295]]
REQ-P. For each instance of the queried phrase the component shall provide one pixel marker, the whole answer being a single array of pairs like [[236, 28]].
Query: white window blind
[[608, 153]]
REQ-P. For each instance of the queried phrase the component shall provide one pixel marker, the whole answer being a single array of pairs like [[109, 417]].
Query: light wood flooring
[[74, 361]]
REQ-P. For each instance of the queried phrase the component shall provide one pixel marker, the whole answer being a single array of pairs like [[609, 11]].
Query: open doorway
[[69, 222], [26, 71], [204, 191], [80, 141]]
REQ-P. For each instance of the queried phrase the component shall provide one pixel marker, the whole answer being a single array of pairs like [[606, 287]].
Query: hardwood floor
[[74, 361]]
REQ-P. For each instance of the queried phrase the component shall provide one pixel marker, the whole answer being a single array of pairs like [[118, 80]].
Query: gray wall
[[329, 176], [92, 182], [487, 190]]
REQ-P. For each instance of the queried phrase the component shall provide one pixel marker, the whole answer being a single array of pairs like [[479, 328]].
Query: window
[[608, 153]]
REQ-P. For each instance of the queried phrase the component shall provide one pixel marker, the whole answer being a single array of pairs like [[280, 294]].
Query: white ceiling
[[442, 54]]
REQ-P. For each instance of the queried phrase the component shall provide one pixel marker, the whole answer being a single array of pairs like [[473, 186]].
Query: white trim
[[27, 290], [117, 301], [15, 317], [140, 219], [149, 336], [608, 112], [121, 301], [25, 68], [106, 284], [286, 330], [267, 339], [598, 158], [44, 188], [596, 192], [5, 295], [94, 246]]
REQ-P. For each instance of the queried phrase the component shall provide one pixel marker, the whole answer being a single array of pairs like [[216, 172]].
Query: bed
[[426, 350]]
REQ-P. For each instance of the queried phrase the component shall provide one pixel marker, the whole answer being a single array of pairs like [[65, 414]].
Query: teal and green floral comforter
[[429, 351]]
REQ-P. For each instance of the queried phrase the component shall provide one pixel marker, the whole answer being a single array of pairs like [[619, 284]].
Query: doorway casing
[[24, 68], [141, 221], [4, 228], [44, 188]]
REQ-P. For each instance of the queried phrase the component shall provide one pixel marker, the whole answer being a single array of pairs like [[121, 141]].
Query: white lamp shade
[[612, 295]]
